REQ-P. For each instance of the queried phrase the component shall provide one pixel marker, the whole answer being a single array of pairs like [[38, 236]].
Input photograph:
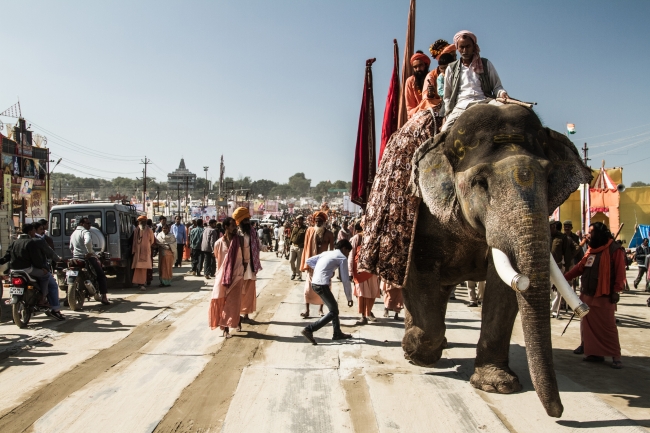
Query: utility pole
[[585, 151], [187, 191], [205, 188], [586, 199], [145, 161]]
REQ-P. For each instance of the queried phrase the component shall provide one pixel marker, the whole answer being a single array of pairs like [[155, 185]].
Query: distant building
[[179, 178]]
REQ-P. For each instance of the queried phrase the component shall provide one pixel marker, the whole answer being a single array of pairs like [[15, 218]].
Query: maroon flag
[[392, 104], [363, 172], [407, 69]]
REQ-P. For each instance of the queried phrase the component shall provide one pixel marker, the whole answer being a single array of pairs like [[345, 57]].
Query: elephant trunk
[[531, 251]]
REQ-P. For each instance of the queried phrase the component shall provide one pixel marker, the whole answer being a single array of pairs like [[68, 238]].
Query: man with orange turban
[[469, 81], [251, 258], [317, 240], [415, 83], [444, 53]]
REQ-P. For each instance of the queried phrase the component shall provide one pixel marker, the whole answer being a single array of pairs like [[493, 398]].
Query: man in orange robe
[[414, 84], [143, 239], [251, 258], [430, 96], [317, 240], [366, 285], [225, 304]]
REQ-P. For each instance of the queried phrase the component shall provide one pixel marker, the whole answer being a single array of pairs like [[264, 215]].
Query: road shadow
[[18, 349], [603, 423]]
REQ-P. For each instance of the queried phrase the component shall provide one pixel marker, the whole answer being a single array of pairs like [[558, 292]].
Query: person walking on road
[[210, 236], [143, 239], [196, 237], [166, 256], [226, 293], [297, 240], [251, 259], [317, 240], [393, 299], [641, 254], [366, 285], [324, 266], [179, 232], [602, 278]]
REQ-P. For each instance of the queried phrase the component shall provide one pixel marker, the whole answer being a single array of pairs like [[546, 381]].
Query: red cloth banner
[[363, 172], [392, 104]]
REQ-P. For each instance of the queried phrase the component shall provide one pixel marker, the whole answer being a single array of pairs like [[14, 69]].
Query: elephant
[[489, 185]]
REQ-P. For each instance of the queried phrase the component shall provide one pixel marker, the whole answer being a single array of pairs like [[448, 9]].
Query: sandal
[[579, 350], [304, 315], [617, 365], [594, 358]]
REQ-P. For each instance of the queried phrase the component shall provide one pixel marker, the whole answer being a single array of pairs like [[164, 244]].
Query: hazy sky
[[275, 86]]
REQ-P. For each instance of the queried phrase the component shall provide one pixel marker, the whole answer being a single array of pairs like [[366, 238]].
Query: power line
[[624, 147], [83, 172], [618, 140], [82, 147], [610, 133], [92, 168], [90, 153]]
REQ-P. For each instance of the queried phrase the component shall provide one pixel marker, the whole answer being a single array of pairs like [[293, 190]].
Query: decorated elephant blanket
[[391, 212]]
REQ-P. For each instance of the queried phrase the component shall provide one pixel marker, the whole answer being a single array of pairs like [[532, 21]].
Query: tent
[[604, 199], [641, 232]]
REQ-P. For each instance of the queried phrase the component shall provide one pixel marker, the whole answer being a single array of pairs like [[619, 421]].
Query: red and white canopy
[[603, 182]]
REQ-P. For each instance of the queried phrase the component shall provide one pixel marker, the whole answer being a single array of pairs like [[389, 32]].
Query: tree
[[299, 184], [263, 187], [282, 190], [638, 183]]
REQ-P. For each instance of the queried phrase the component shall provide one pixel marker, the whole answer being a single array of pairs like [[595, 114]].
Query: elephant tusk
[[517, 281], [562, 285]]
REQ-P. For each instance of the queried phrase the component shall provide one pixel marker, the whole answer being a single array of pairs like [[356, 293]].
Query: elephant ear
[[567, 169], [432, 176]]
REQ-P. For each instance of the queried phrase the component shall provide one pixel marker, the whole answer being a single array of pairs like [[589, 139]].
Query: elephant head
[[498, 174]]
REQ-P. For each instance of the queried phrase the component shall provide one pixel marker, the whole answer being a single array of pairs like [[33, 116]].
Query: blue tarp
[[642, 231]]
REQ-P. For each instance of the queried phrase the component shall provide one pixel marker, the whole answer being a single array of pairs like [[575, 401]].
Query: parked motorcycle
[[82, 284], [25, 297]]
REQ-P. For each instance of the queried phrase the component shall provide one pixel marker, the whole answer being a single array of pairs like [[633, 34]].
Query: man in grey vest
[[470, 80]]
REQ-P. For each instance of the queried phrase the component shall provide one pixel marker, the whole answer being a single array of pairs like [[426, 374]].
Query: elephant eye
[[480, 181]]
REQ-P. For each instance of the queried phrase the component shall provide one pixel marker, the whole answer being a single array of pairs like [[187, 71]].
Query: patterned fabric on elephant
[[392, 210]]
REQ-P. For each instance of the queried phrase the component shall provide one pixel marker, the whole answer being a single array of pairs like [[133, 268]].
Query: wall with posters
[[24, 168]]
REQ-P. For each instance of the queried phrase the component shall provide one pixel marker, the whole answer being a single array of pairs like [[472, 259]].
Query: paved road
[[150, 363]]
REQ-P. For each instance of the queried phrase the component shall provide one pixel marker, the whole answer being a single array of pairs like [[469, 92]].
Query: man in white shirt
[[469, 81], [324, 266], [81, 244]]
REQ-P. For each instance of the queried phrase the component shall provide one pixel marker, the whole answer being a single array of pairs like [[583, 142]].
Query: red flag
[[392, 104], [363, 172], [407, 69]]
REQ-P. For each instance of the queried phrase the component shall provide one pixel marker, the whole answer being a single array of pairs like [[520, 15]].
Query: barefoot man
[[366, 285], [317, 240]]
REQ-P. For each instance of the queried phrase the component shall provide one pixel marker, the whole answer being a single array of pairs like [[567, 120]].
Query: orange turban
[[447, 49], [422, 57], [240, 214], [320, 214], [142, 218]]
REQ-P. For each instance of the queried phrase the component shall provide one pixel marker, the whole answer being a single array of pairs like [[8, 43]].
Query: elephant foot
[[491, 378], [420, 350]]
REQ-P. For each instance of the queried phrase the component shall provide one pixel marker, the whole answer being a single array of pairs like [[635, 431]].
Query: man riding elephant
[[470, 80], [480, 196]]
